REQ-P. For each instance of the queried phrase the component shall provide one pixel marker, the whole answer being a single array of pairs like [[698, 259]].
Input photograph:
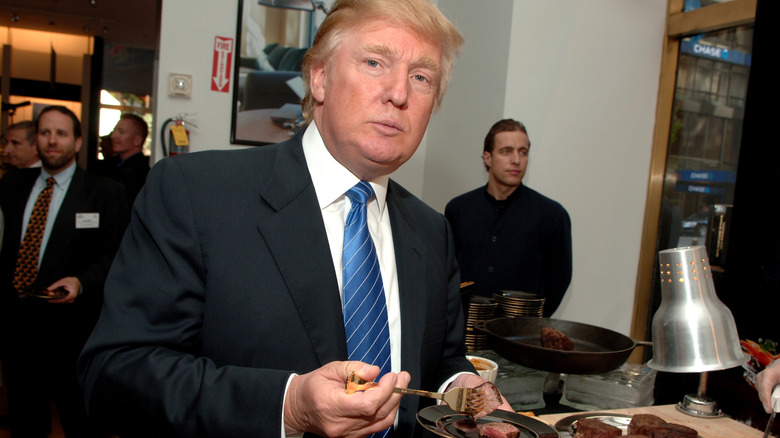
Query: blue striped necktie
[[365, 307]]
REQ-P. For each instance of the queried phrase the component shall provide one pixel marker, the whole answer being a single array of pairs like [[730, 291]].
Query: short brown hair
[[65, 111], [505, 125], [421, 15]]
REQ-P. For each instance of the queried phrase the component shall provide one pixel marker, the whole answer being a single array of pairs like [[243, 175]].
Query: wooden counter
[[708, 427]]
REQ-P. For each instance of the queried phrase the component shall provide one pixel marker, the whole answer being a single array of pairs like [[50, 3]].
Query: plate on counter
[[445, 422], [567, 427]]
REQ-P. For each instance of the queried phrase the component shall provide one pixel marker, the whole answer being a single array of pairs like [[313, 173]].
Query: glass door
[[703, 144]]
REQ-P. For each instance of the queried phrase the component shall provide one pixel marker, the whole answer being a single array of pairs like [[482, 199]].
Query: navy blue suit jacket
[[224, 285]]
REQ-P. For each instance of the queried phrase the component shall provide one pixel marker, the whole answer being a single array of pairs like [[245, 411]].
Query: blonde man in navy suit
[[223, 312]]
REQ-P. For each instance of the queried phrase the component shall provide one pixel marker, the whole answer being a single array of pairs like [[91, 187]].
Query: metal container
[[693, 331]]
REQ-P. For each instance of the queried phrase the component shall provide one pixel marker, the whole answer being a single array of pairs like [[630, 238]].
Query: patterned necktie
[[365, 309], [27, 261]]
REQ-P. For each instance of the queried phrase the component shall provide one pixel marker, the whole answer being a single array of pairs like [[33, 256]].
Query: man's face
[[375, 96], [21, 153], [57, 145], [125, 139], [508, 160]]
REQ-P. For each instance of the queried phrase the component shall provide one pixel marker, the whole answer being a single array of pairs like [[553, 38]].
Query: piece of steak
[[491, 399], [556, 339], [593, 428], [498, 429], [644, 424]]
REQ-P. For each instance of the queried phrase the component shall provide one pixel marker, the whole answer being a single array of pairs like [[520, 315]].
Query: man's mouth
[[388, 126]]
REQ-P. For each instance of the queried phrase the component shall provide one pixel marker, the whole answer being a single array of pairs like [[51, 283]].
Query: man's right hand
[[317, 401]]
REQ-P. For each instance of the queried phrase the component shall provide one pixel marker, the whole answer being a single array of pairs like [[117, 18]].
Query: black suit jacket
[[85, 253], [224, 285]]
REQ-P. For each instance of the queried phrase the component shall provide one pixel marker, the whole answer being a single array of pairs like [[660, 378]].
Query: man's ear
[[317, 82], [486, 156]]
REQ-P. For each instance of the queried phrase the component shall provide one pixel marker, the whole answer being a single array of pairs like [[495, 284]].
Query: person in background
[[20, 145], [224, 313], [507, 235], [127, 163], [62, 228]]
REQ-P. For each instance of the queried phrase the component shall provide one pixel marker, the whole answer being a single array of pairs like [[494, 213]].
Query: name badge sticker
[[87, 220]]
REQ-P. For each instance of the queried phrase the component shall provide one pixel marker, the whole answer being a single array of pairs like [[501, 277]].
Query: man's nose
[[397, 88]]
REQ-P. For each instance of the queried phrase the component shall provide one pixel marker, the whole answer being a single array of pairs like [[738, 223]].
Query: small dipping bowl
[[486, 368]]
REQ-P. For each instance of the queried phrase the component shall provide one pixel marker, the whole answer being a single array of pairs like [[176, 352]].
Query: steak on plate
[[593, 428], [498, 429], [644, 424]]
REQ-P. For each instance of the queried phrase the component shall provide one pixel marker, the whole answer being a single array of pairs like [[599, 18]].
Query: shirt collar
[[332, 180], [62, 177]]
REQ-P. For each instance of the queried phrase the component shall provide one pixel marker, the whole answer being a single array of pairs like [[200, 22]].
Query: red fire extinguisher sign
[[223, 61]]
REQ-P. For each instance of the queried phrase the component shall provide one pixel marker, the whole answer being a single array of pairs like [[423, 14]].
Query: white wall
[[582, 75], [188, 28]]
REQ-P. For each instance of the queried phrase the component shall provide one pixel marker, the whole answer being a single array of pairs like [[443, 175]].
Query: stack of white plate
[[480, 309], [515, 303]]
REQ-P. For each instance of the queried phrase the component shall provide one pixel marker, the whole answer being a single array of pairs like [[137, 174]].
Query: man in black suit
[[128, 164], [223, 312], [47, 318]]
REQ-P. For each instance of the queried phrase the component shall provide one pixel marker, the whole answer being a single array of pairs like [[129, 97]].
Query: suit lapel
[[410, 266], [295, 234], [15, 209]]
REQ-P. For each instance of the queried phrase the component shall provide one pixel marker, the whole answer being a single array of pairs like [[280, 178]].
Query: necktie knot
[[360, 192], [50, 181]]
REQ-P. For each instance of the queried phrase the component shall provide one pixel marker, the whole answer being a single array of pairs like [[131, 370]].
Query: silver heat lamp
[[693, 331]]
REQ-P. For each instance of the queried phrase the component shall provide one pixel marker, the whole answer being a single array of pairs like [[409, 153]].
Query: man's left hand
[[469, 380], [72, 285]]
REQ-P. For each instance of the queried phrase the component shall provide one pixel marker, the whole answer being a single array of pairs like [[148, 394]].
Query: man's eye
[[372, 63], [420, 78]]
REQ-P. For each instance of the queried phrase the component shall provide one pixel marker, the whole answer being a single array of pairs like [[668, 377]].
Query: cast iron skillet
[[596, 350]]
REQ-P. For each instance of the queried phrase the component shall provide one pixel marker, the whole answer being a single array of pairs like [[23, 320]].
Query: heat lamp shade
[[693, 331]]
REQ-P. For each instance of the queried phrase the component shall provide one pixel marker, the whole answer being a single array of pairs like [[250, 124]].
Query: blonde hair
[[420, 15]]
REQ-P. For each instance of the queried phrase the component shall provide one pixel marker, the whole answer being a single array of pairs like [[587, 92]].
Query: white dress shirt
[[331, 182]]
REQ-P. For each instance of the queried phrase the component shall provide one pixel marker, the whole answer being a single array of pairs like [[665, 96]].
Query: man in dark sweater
[[508, 236]]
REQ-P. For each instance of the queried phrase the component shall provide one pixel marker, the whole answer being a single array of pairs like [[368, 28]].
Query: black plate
[[48, 295], [443, 421]]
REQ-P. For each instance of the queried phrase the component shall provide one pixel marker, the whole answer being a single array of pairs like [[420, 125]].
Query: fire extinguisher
[[178, 135]]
